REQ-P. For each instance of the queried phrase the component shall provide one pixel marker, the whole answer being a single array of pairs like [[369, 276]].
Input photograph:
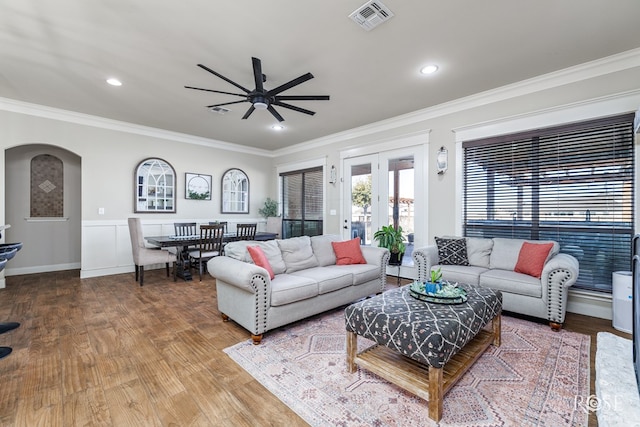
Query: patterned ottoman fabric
[[426, 332]]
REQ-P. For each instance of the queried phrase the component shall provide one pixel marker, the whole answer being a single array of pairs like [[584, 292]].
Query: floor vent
[[219, 110], [371, 14]]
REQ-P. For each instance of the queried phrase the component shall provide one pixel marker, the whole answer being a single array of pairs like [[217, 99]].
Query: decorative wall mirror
[[235, 192], [155, 187]]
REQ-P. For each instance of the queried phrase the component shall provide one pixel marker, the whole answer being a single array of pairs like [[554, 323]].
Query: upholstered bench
[[423, 338]]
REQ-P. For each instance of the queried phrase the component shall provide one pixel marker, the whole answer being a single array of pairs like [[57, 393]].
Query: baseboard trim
[[594, 304], [41, 269]]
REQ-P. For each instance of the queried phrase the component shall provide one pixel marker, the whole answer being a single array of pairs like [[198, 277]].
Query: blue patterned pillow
[[452, 251]]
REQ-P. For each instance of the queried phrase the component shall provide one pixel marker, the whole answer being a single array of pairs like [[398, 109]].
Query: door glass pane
[[361, 203], [401, 200]]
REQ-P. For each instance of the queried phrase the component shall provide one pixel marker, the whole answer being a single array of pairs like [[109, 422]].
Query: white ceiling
[[59, 54]]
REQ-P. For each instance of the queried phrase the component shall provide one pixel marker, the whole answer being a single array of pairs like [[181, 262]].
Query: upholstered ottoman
[[423, 347]]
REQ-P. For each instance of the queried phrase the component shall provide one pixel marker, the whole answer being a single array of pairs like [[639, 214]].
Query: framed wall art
[[235, 192], [197, 186], [155, 184]]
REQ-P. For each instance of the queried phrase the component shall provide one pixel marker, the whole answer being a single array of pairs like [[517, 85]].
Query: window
[[573, 184], [302, 203]]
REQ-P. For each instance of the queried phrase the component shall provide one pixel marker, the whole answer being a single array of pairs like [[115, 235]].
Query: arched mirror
[[155, 187], [235, 192]]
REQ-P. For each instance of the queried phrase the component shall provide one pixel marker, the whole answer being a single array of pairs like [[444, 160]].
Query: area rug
[[617, 399], [535, 378]]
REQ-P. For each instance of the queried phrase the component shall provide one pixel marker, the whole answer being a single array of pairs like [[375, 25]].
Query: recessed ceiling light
[[114, 82], [429, 69], [277, 127]]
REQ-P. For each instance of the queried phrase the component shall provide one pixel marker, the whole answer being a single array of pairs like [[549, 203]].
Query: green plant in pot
[[392, 239], [270, 208]]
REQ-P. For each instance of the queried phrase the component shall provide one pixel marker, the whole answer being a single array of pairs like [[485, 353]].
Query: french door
[[379, 190]]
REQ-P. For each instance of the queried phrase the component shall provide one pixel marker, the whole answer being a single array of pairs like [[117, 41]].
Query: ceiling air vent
[[219, 110], [371, 14]]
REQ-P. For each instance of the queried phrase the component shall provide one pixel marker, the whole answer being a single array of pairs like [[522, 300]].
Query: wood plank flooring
[[107, 352]]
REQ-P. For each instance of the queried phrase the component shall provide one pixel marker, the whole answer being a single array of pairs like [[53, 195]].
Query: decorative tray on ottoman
[[441, 294]]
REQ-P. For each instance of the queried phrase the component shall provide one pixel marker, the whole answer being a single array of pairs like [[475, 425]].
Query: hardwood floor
[[105, 351]]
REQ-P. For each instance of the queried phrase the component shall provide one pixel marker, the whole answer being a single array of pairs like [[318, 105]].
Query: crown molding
[[588, 70], [43, 111]]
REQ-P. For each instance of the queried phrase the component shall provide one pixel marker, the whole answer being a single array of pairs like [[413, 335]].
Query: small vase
[[432, 288]]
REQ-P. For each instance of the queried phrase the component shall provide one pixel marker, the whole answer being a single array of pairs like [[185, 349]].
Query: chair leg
[[200, 269], [167, 265], [175, 271], [136, 266], [141, 274]]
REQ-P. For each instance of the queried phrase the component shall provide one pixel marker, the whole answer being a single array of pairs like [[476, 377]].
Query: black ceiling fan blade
[[294, 108], [227, 103], [204, 67], [248, 113], [275, 113], [302, 98], [215, 91], [257, 74], [289, 85]]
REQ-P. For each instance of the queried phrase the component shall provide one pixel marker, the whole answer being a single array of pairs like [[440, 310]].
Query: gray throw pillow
[[452, 251]]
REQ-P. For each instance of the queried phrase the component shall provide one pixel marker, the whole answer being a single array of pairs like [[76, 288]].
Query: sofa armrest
[[246, 276], [424, 259], [375, 255], [558, 275]]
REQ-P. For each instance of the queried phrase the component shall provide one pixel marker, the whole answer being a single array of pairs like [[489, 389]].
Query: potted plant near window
[[270, 212], [392, 239]]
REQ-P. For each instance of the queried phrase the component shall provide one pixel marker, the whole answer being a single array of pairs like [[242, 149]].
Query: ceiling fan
[[261, 98]]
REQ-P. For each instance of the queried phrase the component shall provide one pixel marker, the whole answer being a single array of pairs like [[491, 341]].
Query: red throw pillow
[[260, 259], [348, 252], [532, 257]]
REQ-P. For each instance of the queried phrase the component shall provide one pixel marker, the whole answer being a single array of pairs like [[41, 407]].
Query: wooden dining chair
[[246, 231], [185, 228], [209, 246], [143, 255], [224, 223]]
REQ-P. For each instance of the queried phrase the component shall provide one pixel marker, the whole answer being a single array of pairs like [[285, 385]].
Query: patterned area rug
[[535, 378]]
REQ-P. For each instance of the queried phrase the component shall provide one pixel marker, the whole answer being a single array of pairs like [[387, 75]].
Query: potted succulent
[[392, 239]]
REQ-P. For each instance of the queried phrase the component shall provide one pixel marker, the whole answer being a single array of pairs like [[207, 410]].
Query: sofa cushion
[[348, 252], [361, 273], [287, 288], [297, 253], [329, 279], [460, 273], [260, 259], [512, 282], [505, 252], [532, 258], [452, 251], [238, 250], [479, 251], [323, 250]]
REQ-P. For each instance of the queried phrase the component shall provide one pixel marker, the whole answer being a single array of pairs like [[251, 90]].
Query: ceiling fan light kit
[[261, 98]]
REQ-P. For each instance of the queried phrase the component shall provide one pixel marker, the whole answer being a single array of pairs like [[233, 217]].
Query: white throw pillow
[[323, 250]]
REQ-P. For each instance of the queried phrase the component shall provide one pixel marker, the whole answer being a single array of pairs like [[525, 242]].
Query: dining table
[[181, 243]]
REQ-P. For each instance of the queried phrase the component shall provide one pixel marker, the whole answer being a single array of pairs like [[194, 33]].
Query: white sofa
[[491, 263], [307, 281]]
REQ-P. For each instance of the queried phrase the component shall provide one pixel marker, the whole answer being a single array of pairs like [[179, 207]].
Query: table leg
[[352, 347], [435, 393], [497, 329], [182, 264]]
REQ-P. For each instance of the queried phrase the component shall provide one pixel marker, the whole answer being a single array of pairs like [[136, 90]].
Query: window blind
[[302, 203], [573, 184]]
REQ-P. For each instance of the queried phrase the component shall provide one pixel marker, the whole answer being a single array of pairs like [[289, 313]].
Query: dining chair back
[[185, 228], [246, 231], [143, 256], [223, 223], [209, 246]]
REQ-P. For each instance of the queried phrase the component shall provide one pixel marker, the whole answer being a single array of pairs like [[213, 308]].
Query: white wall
[[110, 154]]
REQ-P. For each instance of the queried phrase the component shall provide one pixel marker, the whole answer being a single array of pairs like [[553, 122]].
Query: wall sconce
[[442, 160], [333, 175]]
